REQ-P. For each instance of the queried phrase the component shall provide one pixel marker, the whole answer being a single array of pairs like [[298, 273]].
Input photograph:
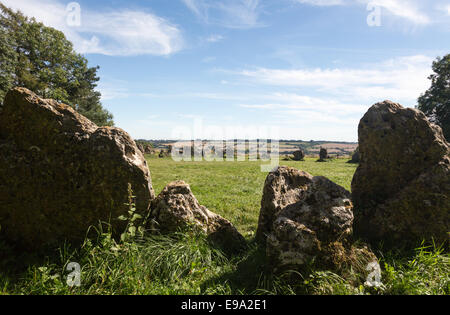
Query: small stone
[[305, 219], [176, 208]]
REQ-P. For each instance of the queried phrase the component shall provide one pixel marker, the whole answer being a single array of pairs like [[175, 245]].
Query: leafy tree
[[8, 60], [435, 103], [41, 59]]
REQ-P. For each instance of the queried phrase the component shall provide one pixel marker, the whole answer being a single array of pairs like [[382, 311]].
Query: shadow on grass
[[251, 275]]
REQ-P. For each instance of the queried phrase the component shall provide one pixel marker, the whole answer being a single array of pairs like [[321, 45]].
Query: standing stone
[[141, 148], [148, 150], [283, 187], [61, 174], [401, 188], [305, 219], [299, 155], [176, 208], [224, 150], [192, 148], [323, 155], [355, 157]]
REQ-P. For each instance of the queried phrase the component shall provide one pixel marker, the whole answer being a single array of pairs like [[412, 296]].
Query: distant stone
[[176, 208], [401, 188], [323, 155], [61, 174], [355, 157], [299, 155], [141, 148], [306, 219], [148, 150]]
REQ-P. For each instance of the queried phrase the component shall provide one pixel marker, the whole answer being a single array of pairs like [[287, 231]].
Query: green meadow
[[185, 263], [234, 189]]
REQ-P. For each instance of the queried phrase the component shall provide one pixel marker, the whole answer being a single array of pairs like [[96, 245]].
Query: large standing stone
[[61, 174], [176, 208], [401, 189], [305, 218]]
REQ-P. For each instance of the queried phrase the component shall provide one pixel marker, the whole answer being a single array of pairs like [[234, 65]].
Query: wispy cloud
[[322, 2], [227, 13], [214, 38], [400, 79], [336, 98], [414, 11], [293, 101], [112, 32], [294, 109], [408, 9]]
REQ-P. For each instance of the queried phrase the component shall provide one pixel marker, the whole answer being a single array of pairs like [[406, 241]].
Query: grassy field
[[234, 189], [185, 263]]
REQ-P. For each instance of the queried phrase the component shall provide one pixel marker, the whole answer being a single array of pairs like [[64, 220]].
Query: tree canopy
[[41, 59], [435, 103]]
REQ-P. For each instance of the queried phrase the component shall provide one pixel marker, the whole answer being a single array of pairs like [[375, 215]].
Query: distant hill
[[311, 148]]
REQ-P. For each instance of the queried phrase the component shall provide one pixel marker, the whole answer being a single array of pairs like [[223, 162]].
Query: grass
[[234, 189], [185, 263]]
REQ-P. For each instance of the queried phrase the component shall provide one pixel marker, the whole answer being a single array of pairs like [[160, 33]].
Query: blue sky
[[312, 68]]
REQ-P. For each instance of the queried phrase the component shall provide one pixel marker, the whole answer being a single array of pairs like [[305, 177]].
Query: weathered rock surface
[[147, 149], [177, 208], [60, 173], [304, 218], [141, 148], [401, 189], [299, 155]]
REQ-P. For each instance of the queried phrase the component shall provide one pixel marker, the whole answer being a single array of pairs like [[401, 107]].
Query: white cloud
[[407, 9], [312, 113], [402, 79], [227, 13], [414, 11], [114, 32], [328, 103], [292, 101]]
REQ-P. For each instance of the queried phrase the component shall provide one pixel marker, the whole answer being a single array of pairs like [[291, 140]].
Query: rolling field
[[234, 189]]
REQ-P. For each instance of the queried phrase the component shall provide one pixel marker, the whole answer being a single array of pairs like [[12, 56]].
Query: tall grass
[[174, 264], [425, 273]]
